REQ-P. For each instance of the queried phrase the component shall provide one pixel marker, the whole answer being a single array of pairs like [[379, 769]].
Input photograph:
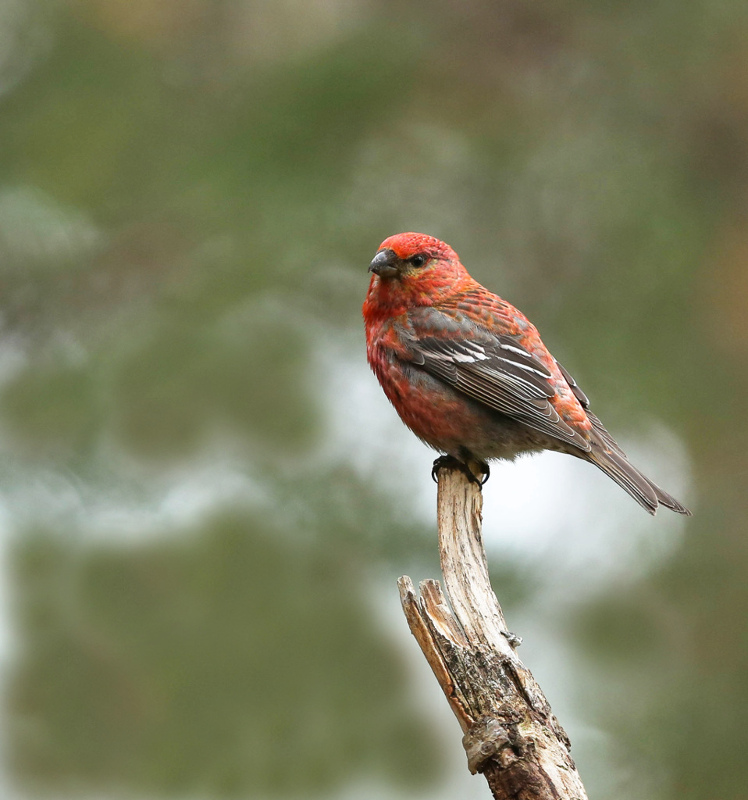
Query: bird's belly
[[452, 423]]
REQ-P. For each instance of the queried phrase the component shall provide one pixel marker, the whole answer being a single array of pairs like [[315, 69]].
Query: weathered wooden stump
[[510, 732]]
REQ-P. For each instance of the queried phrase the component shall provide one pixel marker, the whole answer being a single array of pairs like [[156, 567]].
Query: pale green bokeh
[[190, 194]]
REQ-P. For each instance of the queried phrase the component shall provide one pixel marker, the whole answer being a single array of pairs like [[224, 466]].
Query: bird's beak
[[385, 264]]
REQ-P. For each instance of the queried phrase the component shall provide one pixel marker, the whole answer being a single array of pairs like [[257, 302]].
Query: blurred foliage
[[206, 663], [190, 194]]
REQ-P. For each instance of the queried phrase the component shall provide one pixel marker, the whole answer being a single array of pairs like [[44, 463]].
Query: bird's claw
[[451, 461], [442, 461]]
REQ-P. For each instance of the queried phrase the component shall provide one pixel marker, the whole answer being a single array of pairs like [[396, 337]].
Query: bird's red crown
[[406, 245]]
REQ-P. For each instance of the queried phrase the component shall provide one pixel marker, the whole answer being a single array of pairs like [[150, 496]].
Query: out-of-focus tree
[[190, 194]]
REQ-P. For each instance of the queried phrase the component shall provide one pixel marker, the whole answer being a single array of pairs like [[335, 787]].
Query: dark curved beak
[[385, 264]]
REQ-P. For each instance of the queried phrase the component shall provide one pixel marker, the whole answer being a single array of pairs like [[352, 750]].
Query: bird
[[468, 373]]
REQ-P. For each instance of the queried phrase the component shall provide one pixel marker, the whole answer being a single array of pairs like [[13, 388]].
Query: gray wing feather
[[497, 371]]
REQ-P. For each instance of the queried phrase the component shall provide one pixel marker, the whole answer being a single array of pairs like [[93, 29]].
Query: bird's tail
[[606, 455]]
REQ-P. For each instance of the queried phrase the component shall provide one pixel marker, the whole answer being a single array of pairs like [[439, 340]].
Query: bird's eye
[[419, 260]]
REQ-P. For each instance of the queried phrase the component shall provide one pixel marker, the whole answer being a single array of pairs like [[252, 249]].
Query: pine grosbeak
[[469, 374]]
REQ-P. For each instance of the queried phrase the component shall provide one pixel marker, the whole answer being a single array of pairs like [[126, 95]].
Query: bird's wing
[[491, 368], [578, 393]]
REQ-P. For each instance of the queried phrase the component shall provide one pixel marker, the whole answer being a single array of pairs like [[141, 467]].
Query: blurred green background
[[205, 498]]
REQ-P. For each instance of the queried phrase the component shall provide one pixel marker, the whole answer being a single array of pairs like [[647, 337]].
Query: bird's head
[[417, 266], [408, 256]]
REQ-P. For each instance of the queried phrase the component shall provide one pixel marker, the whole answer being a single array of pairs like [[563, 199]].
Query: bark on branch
[[510, 732]]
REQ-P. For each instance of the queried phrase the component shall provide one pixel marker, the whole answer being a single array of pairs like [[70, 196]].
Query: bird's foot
[[444, 461], [455, 463]]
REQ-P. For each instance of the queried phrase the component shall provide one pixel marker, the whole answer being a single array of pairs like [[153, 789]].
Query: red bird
[[468, 373]]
